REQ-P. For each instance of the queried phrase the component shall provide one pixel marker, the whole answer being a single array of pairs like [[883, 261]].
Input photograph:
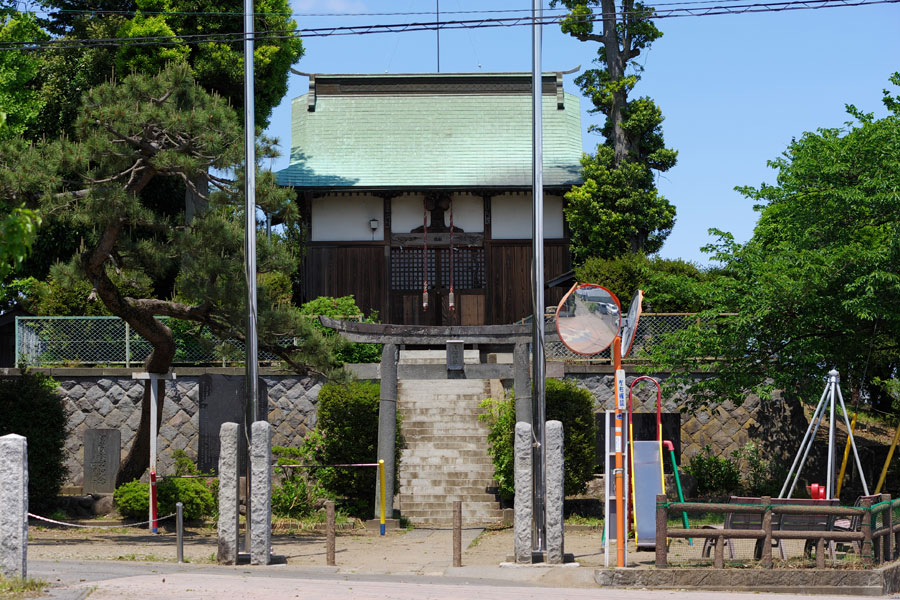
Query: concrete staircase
[[446, 457]]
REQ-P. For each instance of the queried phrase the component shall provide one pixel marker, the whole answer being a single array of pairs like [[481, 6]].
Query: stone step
[[446, 444], [449, 471], [450, 497], [413, 503], [471, 463], [441, 488], [443, 438], [458, 477]]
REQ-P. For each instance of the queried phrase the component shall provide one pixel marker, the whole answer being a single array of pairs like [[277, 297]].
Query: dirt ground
[[423, 551]]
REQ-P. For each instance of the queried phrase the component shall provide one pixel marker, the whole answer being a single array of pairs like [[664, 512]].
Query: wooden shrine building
[[408, 179]]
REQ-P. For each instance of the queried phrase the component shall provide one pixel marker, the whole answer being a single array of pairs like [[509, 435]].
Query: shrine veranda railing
[[90, 341]]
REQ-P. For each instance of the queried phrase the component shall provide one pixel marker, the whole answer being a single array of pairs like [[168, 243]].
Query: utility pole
[[251, 365], [537, 273]]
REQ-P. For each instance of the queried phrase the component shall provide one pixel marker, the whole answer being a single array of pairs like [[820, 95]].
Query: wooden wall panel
[[340, 271], [510, 278]]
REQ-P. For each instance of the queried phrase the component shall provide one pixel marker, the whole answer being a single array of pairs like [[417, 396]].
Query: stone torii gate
[[519, 336]]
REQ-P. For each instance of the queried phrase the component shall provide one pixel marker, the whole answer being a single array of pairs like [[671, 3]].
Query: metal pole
[[829, 476], [154, 409], [127, 346], [179, 530], [437, 13], [537, 271], [809, 429], [808, 446], [252, 368]]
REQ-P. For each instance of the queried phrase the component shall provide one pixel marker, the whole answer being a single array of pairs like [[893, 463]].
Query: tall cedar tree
[[129, 136], [618, 208]]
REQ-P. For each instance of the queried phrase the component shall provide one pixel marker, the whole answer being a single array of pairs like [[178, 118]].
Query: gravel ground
[[416, 551]]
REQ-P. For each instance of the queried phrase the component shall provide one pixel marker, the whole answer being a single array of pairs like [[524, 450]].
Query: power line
[[676, 12]]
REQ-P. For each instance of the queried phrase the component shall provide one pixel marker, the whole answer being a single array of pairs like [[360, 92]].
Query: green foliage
[[715, 475], [567, 403], [20, 101], [65, 294], [618, 208], [30, 407], [344, 307], [347, 432], [133, 499], [670, 285], [299, 494], [184, 464], [574, 408], [817, 286], [500, 416], [217, 66], [18, 230], [759, 476], [132, 58]]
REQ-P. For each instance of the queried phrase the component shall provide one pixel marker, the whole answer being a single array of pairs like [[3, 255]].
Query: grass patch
[[582, 520], [316, 521], [15, 588]]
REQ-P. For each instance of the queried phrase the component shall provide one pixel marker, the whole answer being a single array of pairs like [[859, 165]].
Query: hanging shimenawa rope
[[452, 297], [425, 260]]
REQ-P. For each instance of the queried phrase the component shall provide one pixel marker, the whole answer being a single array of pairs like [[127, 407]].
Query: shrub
[[344, 306], [501, 419], [133, 498], [299, 492], [347, 432], [761, 477], [567, 403], [715, 475], [574, 407], [30, 407]]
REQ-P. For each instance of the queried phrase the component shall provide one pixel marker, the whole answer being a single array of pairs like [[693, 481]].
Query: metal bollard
[[179, 528]]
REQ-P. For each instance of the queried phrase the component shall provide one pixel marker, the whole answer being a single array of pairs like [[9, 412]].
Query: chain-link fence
[[650, 327], [91, 341], [76, 341]]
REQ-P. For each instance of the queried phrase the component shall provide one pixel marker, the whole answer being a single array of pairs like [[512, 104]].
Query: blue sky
[[735, 89]]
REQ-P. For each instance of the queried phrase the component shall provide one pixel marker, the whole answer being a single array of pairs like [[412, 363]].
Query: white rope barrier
[[96, 526]]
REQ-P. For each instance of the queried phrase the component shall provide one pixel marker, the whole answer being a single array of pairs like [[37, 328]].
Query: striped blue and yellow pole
[[381, 479]]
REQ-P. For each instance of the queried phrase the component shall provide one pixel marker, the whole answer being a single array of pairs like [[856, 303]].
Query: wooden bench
[[738, 520]]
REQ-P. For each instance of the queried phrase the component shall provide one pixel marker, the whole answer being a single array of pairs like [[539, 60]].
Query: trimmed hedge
[[30, 406], [347, 432], [566, 402]]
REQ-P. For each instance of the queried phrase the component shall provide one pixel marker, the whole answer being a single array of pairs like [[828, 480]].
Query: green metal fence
[[93, 341]]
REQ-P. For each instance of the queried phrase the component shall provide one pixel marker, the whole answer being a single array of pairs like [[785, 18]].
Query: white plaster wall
[[346, 217], [468, 213], [407, 213], [511, 217]]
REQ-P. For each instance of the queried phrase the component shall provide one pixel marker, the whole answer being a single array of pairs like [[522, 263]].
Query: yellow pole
[[662, 469], [631, 473], [381, 478], [840, 481], [887, 461]]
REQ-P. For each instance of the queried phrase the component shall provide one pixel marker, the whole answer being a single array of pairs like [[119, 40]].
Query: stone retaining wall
[[112, 401], [776, 426]]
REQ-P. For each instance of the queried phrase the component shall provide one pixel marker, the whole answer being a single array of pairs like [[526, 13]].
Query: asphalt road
[[105, 580]]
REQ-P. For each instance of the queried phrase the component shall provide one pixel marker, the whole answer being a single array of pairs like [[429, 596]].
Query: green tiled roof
[[420, 140]]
